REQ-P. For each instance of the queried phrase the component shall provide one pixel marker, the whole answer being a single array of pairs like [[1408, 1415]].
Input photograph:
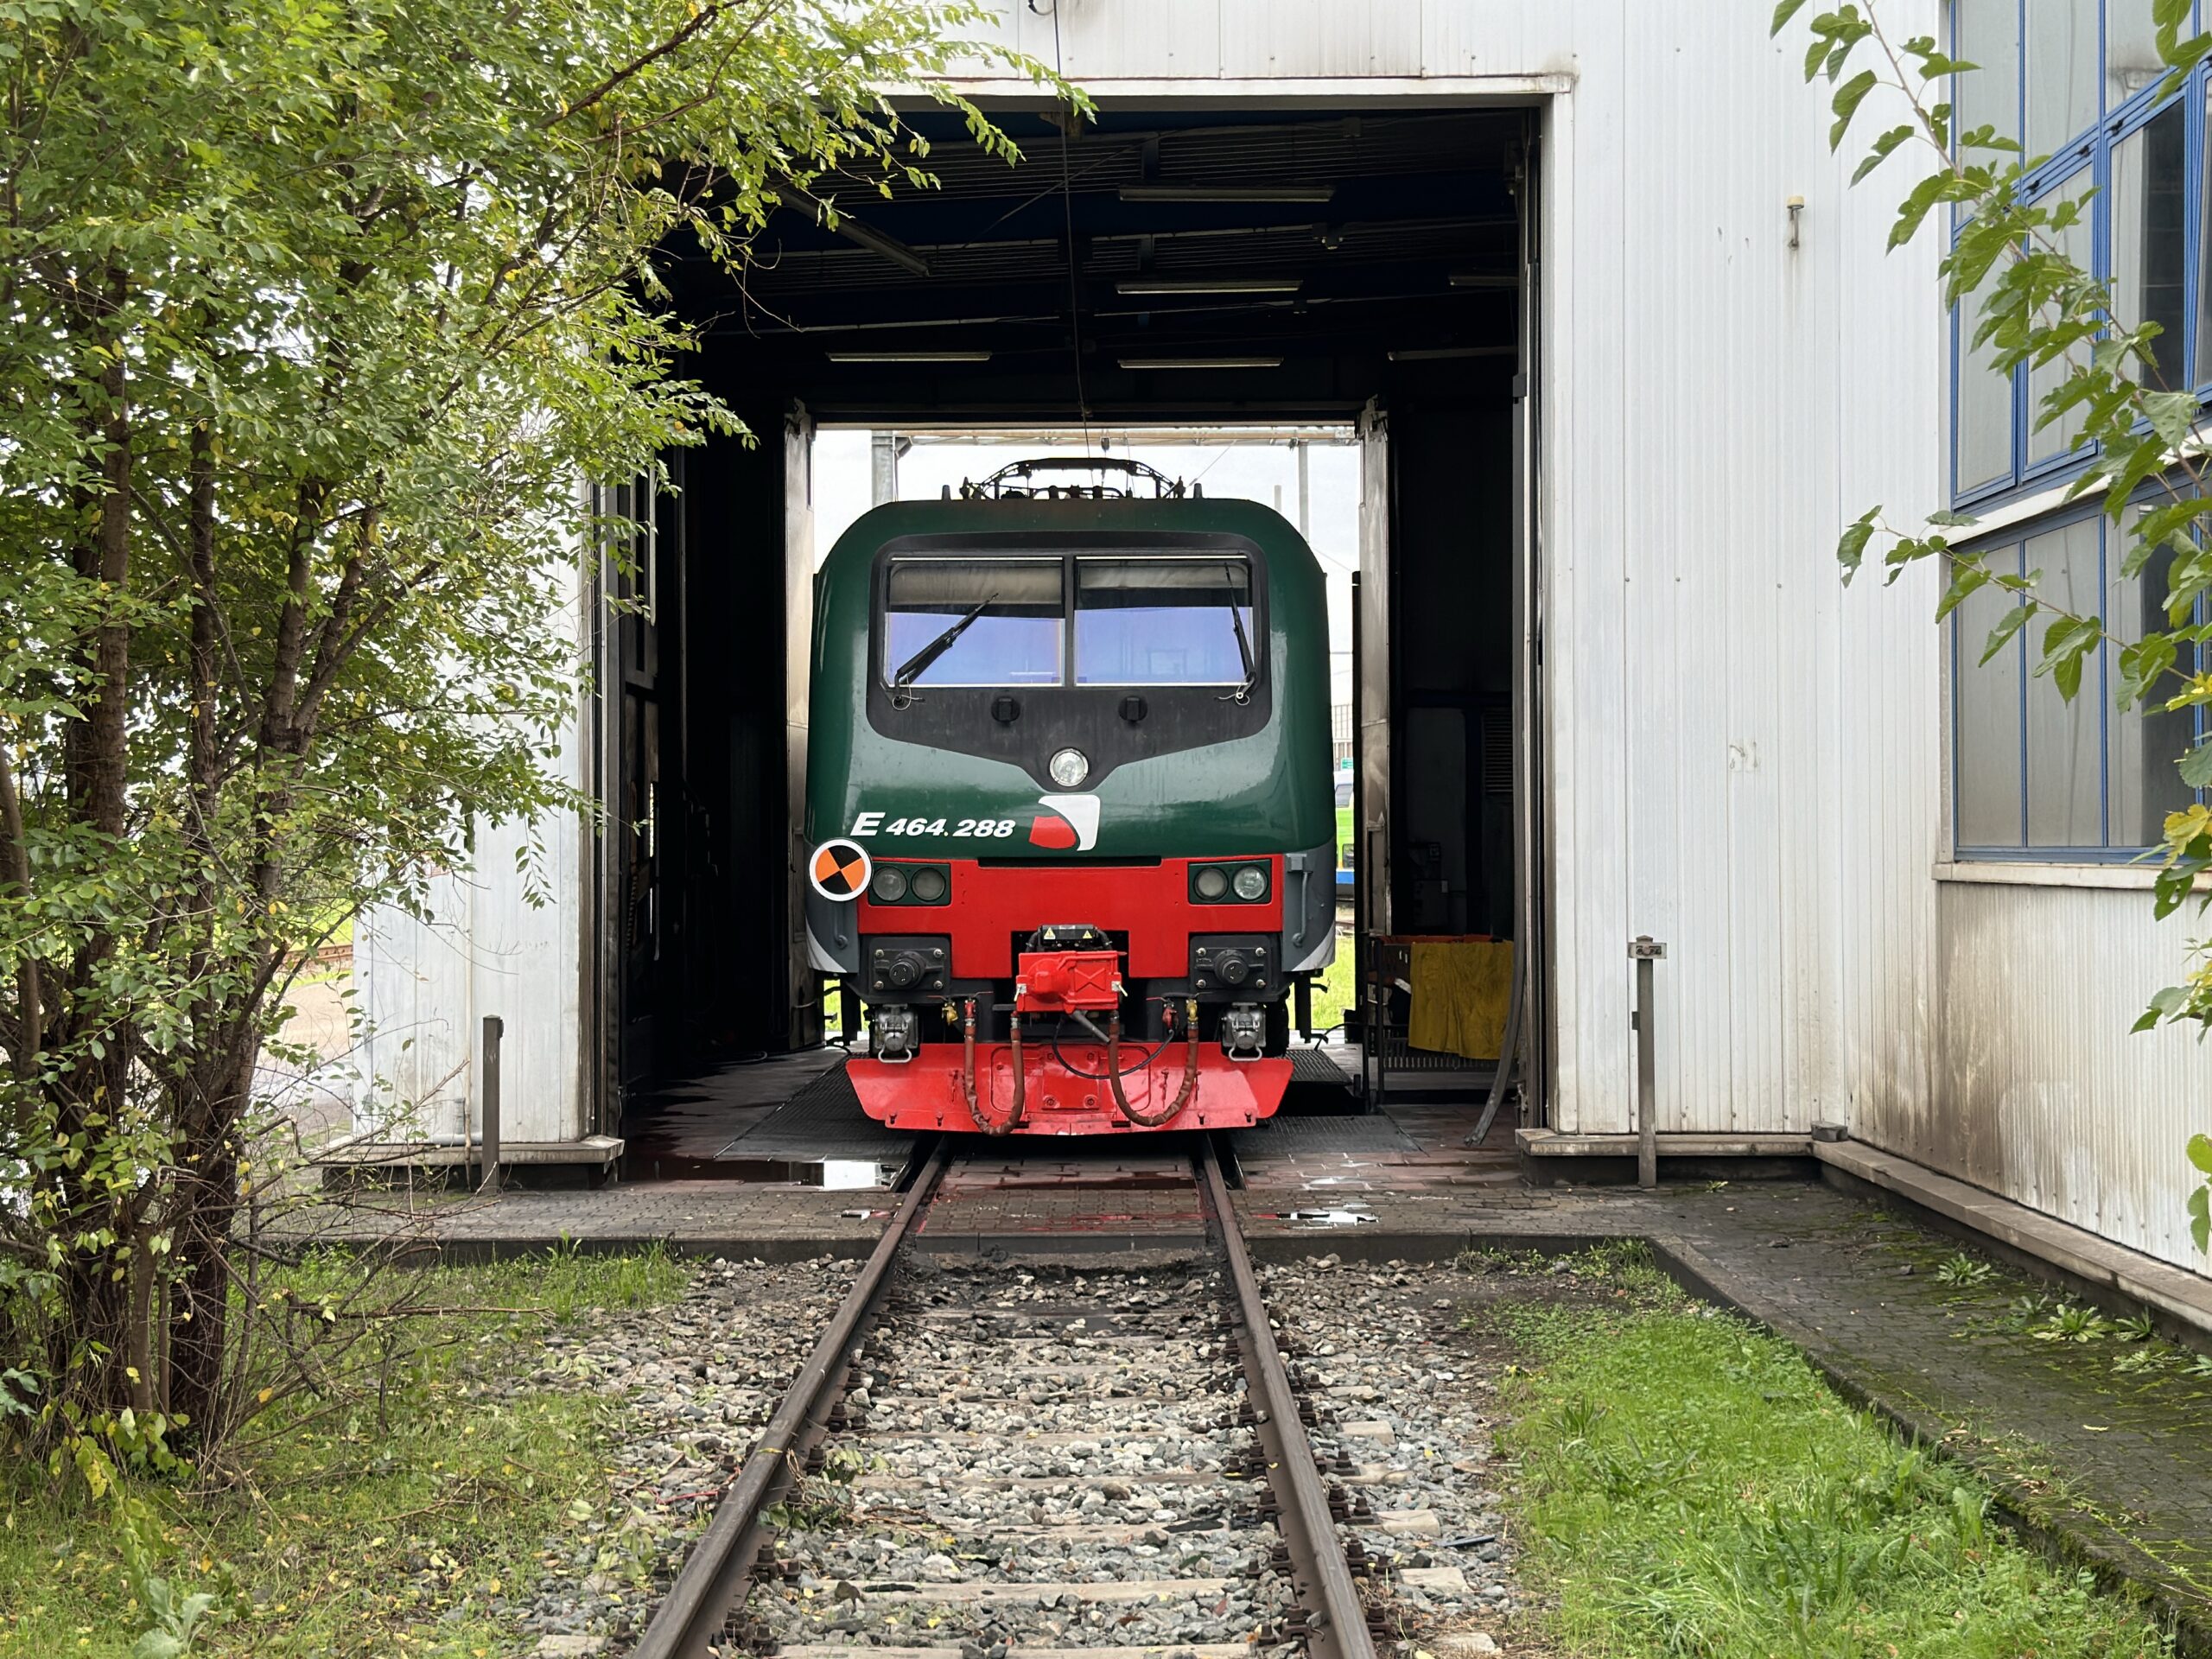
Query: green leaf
[[2066, 643], [2200, 1218], [2197, 767], [1966, 578], [2200, 1152], [1848, 97], [1851, 546], [1954, 520], [1880, 151], [2008, 625], [2171, 414], [1783, 11], [2142, 665]]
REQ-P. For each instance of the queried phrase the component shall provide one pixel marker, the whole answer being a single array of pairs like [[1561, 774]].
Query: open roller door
[[1358, 266]]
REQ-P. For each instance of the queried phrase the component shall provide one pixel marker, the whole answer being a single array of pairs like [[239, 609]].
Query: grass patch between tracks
[[1689, 1485], [357, 1525]]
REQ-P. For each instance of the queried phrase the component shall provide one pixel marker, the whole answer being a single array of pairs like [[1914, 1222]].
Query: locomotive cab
[[1070, 805]]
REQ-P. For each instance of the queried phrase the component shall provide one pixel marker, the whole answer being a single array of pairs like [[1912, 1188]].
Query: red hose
[[968, 1074], [1190, 1070]]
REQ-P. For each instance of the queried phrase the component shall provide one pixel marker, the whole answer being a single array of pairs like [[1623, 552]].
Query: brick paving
[[2115, 1465]]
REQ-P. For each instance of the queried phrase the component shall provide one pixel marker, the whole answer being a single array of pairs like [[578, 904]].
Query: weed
[[2069, 1322], [824, 1500], [2135, 1327], [2148, 1358], [1963, 1272]]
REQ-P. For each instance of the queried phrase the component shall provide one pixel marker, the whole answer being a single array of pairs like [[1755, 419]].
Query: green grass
[[1690, 1486], [353, 1525]]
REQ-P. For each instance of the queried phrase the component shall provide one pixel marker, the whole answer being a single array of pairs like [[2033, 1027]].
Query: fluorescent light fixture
[[1200, 362], [1485, 279], [908, 357], [1308, 192], [1209, 284]]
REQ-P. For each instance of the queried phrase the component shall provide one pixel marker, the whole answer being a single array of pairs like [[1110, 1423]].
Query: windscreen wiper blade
[[919, 663], [1243, 641]]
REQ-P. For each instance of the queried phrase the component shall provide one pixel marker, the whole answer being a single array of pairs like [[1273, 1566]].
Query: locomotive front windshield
[[1142, 621], [973, 622], [1118, 618]]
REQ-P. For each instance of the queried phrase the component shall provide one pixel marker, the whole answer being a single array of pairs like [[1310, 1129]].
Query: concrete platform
[[2183, 1300], [1550, 1143]]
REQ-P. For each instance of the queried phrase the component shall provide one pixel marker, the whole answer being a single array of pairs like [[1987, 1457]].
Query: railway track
[[988, 1460]]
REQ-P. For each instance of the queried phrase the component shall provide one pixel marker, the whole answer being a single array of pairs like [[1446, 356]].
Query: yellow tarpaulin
[[1461, 989]]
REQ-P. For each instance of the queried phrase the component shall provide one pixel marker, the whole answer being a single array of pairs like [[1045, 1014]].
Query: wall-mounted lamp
[[1796, 207]]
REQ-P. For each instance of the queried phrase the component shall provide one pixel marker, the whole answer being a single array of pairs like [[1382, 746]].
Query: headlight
[[929, 885], [1070, 767], [1211, 883], [1251, 884], [889, 885]]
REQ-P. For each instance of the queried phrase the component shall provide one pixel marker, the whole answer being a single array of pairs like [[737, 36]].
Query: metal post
[[494, 1027], [883, 454], [1643, 951]]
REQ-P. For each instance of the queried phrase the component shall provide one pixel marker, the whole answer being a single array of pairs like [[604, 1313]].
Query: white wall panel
[[486, 948], [1108, 40], [1306, 38], [2041, 1093]]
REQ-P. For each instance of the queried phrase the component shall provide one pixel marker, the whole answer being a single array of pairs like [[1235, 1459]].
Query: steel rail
[[1335, 1623], [711, 1589]]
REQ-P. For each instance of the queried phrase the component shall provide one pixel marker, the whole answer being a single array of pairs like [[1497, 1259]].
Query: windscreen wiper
[[1243, 642], [919, 663]]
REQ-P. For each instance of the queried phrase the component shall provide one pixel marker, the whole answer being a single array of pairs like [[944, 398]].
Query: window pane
[[1988, 699], [2143, 742], [1989, 96], [2204, 287], [1984, 415], [2062, 53], [2076, 243], [1140, 621], [2148, 239], [2065, 767], [2130, 49], [1013, 639]]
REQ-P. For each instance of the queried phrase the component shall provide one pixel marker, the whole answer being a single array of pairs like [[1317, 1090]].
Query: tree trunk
[[207, 1207], [96, 749]]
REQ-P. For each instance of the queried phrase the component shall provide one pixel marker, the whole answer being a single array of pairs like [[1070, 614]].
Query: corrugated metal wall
[[2041, 1094], [424, 986]]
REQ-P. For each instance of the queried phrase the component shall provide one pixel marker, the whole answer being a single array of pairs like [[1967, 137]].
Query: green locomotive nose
[[1041, 718]]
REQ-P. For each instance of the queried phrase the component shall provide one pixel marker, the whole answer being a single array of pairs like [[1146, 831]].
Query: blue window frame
[[2079, 78], [2034, 776]]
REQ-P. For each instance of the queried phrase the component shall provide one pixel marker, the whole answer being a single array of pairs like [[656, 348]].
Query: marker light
[[1069, 768], [1211, 883], [889, 885], [1251, 884], [929, 886]]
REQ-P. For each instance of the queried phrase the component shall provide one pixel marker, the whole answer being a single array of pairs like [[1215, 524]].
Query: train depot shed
[[1622, 351]]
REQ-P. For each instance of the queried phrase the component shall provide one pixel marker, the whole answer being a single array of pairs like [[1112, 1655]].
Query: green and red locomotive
[[1069, 801]]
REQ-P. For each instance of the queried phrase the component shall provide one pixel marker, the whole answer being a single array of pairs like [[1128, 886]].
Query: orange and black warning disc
[[839, 870]]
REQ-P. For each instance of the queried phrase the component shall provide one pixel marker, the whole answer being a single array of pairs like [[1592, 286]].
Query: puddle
[[836, 1174]]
